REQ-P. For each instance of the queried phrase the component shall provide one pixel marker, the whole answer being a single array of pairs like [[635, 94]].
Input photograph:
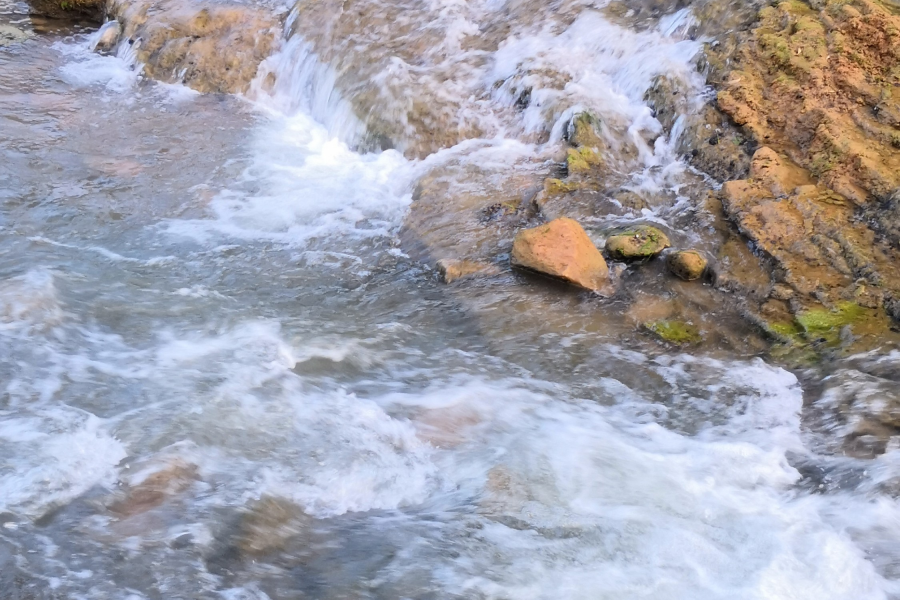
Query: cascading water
[[224, 376]]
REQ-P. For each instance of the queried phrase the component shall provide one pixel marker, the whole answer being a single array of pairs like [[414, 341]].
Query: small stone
[[686, 264], [639, 243], [561, 249], [107, 37], [451, 269]]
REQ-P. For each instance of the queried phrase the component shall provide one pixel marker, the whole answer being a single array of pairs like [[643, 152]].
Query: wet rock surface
[[816, 83], [823, 252], [210, 47], [451, 270], [107, 37], [561, 249]]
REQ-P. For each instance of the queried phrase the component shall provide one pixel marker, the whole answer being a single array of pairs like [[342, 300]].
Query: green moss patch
[[825, 323], [674, 332]]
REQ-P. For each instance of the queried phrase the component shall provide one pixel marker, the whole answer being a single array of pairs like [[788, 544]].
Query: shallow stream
[[223, 375]]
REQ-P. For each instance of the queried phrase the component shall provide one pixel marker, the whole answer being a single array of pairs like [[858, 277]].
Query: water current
[[223, 375]]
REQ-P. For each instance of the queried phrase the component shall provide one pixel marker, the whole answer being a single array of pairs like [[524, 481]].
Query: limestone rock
[[208, 47], [814, 80], [583, 131], [107, 37], [686, 264], [452, 270], [561, 249], [822, 251], [638, 243]]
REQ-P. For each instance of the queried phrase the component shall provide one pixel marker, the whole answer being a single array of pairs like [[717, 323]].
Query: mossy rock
[[639, 243], [675, 332], [583, 131], [581, 160], [813, 331]]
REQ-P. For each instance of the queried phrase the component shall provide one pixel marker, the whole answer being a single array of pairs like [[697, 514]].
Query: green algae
[[581, 160], [827, 323], [583, 131], [674, 332]]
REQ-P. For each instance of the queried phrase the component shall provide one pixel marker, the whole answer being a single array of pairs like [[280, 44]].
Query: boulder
[[561, 249], [639, 243], [686, 264]]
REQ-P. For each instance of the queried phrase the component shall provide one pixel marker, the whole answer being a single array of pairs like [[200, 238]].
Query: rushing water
[[223, 376]]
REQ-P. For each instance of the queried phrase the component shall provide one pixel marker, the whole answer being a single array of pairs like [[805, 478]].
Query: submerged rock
[[451, 270], [164, 481], [686, 264], [12, 35], [208, 47], [269, 524], [561, 249], [861, 411], [675, 332], [639, 243]]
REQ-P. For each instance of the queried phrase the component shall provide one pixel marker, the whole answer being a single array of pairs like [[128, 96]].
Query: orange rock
[[561, 249]]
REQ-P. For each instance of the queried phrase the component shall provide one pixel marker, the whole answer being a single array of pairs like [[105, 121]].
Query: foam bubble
[[60, 453]]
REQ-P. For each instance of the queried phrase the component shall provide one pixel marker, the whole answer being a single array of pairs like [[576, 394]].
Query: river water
[[223, 375]]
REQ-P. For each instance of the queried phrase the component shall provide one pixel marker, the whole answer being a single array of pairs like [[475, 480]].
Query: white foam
[[607, 505], [310, 186], [85, 68], [29, 302], [59, 454]]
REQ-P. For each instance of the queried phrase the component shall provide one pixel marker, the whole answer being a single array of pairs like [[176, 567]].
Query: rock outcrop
[[561, 249], [823, 253], [818, 84], [208, 47]]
